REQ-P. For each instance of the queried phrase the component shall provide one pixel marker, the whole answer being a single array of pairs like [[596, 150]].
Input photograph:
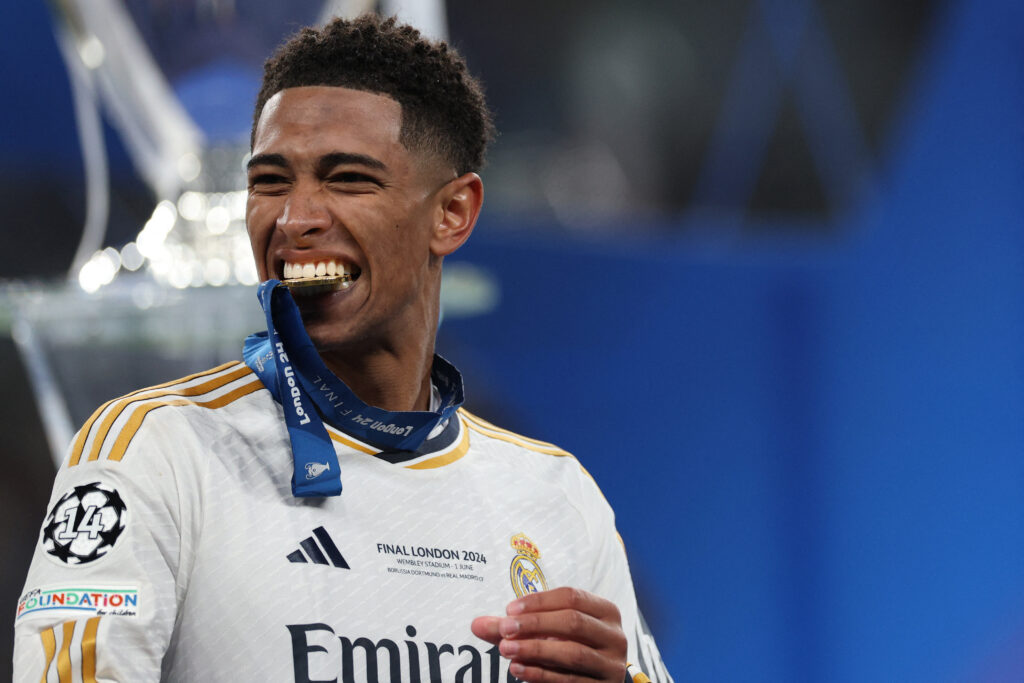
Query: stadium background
[[760, 266]]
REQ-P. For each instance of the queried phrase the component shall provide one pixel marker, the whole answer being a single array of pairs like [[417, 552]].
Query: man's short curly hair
[[443, 106]]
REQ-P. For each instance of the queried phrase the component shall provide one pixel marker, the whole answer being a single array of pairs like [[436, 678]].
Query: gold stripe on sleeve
[[540, 445], [49, 637], [511, 438], [487, 429], [135, 421], [89, 650], [83, 434], [198, 390], [64, 658]]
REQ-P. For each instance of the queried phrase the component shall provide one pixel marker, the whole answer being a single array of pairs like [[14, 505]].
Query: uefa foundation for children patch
[[108, 601], [84, 524]]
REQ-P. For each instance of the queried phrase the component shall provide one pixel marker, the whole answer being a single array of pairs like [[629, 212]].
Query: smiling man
[[331, 182], [326, 510]]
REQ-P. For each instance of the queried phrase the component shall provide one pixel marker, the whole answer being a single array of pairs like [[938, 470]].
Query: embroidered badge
[[315, 469], [525, 573], [84, 524]]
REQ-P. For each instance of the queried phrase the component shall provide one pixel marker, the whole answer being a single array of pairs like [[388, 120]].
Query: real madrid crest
[[525, 573]]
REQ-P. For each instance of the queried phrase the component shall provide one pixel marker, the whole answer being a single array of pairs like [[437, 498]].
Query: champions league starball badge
[[84, 524]]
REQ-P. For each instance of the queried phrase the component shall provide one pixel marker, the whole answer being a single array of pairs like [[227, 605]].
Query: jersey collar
[[287, 363]]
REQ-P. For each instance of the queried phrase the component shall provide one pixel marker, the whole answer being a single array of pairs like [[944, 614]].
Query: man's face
[[329, 181]]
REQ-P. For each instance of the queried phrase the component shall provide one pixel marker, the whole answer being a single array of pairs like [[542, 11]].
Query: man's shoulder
[[546, 464], [197, 398], [492, 432]]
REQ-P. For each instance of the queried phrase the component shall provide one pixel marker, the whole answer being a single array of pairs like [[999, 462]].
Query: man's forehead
[[318, 117], [331, 110], [328, 99]]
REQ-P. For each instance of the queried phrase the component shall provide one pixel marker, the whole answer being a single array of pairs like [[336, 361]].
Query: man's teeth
[[301, 271]]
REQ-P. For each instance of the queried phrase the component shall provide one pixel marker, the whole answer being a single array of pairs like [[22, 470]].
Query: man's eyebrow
[[329, 161], [268, 160]]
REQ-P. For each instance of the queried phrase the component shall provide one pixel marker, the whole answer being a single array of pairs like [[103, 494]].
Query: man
[[326, 511]]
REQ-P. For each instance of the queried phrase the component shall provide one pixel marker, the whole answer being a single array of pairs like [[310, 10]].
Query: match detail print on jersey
[[446, 563]]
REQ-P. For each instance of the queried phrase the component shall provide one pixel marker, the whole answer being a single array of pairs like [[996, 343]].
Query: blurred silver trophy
[[176, 79]]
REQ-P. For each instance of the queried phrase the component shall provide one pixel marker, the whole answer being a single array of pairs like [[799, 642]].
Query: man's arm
[[101, 595]]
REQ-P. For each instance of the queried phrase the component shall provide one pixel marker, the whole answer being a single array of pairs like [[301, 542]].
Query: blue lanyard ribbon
[[289, 366]]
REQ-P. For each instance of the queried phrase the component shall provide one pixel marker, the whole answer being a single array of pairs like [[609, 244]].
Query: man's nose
[[304, 214]]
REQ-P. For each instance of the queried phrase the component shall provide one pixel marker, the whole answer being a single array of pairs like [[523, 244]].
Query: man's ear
[[461, 200]]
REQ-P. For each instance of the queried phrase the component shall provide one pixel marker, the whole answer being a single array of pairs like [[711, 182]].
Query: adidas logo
[[314, 553]]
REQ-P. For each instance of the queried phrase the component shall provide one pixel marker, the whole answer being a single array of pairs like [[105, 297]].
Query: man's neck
[[385, 380]]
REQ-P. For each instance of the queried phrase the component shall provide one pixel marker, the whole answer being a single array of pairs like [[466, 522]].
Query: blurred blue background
[[793, 356]]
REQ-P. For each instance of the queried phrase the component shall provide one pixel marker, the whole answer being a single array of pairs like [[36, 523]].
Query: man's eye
[[267, 179], [352, 177]]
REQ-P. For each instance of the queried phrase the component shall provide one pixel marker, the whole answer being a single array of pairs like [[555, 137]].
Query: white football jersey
[[174, 549]]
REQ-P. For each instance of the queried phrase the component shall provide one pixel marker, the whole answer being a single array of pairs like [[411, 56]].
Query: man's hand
[[562, 635]]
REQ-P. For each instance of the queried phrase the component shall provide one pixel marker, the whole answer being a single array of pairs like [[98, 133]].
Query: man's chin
[[326, 341], [334, 339]]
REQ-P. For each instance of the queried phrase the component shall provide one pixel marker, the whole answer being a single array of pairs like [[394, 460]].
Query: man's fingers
[[565, 599], [564, 624], [560, 657], [486, 628], [535, 674], [559, 636]]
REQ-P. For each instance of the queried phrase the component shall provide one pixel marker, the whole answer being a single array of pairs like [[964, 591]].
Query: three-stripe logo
[[314, 553]]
